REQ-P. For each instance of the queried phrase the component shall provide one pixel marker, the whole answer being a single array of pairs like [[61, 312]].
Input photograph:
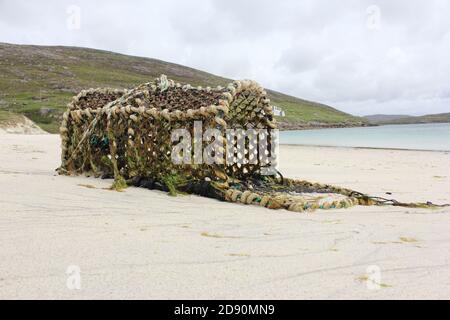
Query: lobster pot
[[132, 133], [215, 142]]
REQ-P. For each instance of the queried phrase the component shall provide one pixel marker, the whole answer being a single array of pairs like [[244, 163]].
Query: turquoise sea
[[435, 136]]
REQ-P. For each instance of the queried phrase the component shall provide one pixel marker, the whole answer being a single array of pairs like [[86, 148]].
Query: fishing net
[[128, 135]]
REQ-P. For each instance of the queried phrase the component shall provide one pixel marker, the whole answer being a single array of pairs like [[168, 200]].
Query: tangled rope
[[380, 201]]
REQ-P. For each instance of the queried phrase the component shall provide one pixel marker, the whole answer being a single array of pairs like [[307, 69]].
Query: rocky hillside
[[377, 118], [38, 81], [390, 119]]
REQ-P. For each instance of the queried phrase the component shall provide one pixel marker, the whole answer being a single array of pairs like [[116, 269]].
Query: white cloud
[[319, 50]]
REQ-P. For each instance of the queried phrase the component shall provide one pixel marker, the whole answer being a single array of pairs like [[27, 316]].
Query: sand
[[145, 244]]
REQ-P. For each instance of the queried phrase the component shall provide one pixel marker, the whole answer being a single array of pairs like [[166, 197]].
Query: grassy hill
[[38, 81], [430, 118]]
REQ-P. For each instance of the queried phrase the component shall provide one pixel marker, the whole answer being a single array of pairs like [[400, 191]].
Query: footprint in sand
[[372, 282], [406, 239], [89, 186], [214, 235], [332, 221], [238, 255], [402, 240]]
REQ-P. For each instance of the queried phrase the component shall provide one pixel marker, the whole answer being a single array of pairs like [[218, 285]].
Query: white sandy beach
[[145, 244]]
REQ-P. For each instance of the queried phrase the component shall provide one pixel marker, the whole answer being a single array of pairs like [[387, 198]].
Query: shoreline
[[363, 148], [286, 126], [296, 127]]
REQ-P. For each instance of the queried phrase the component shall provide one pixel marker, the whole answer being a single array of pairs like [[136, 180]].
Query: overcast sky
[[360, 56]]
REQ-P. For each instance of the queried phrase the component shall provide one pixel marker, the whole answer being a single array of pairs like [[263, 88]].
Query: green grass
[[6, 116], [305, 111], [29, 104], [52, 127], [36, 77]]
